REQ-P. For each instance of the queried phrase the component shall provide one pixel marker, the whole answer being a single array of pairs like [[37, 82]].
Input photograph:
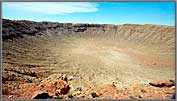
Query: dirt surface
[[88, 55]]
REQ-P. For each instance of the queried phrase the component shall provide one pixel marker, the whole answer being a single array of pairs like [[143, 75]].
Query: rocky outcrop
[[42, 90], [153, 34], [59, 89], [16, 29]]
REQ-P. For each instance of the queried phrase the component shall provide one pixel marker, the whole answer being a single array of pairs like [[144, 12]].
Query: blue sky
[[161, 13]]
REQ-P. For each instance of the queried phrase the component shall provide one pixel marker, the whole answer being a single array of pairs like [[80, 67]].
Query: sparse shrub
[[172, 81], [70, 96], [59, 97], [94, 95], [17, 85], [139, 96], [5, 90], [142, 90], [132, 97], [78, 88], [29, 81], [50, 97]]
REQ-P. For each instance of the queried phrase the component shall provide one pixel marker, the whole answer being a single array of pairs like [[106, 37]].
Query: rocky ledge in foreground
[[59, 89]]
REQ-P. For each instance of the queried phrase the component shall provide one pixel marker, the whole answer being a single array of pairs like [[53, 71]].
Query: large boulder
[[52, 87]]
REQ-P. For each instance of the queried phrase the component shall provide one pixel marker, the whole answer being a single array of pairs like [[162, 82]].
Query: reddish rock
[[108, 91], [52, 86], [59, 88], [34, 90]]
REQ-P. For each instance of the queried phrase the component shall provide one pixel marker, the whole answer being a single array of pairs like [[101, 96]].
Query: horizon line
[[87, 22]]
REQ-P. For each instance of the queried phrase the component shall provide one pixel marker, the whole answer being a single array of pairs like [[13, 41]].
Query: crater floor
[[96, 61]]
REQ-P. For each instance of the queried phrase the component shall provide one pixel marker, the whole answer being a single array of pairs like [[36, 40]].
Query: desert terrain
[[87, 60]]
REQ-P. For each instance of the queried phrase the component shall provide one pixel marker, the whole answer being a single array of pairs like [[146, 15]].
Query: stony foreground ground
[[59, 89]]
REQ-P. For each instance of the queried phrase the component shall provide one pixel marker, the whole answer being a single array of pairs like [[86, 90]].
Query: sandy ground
[[105, 61]]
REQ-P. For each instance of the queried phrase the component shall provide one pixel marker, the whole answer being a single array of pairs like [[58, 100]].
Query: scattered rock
[[54, 77]]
